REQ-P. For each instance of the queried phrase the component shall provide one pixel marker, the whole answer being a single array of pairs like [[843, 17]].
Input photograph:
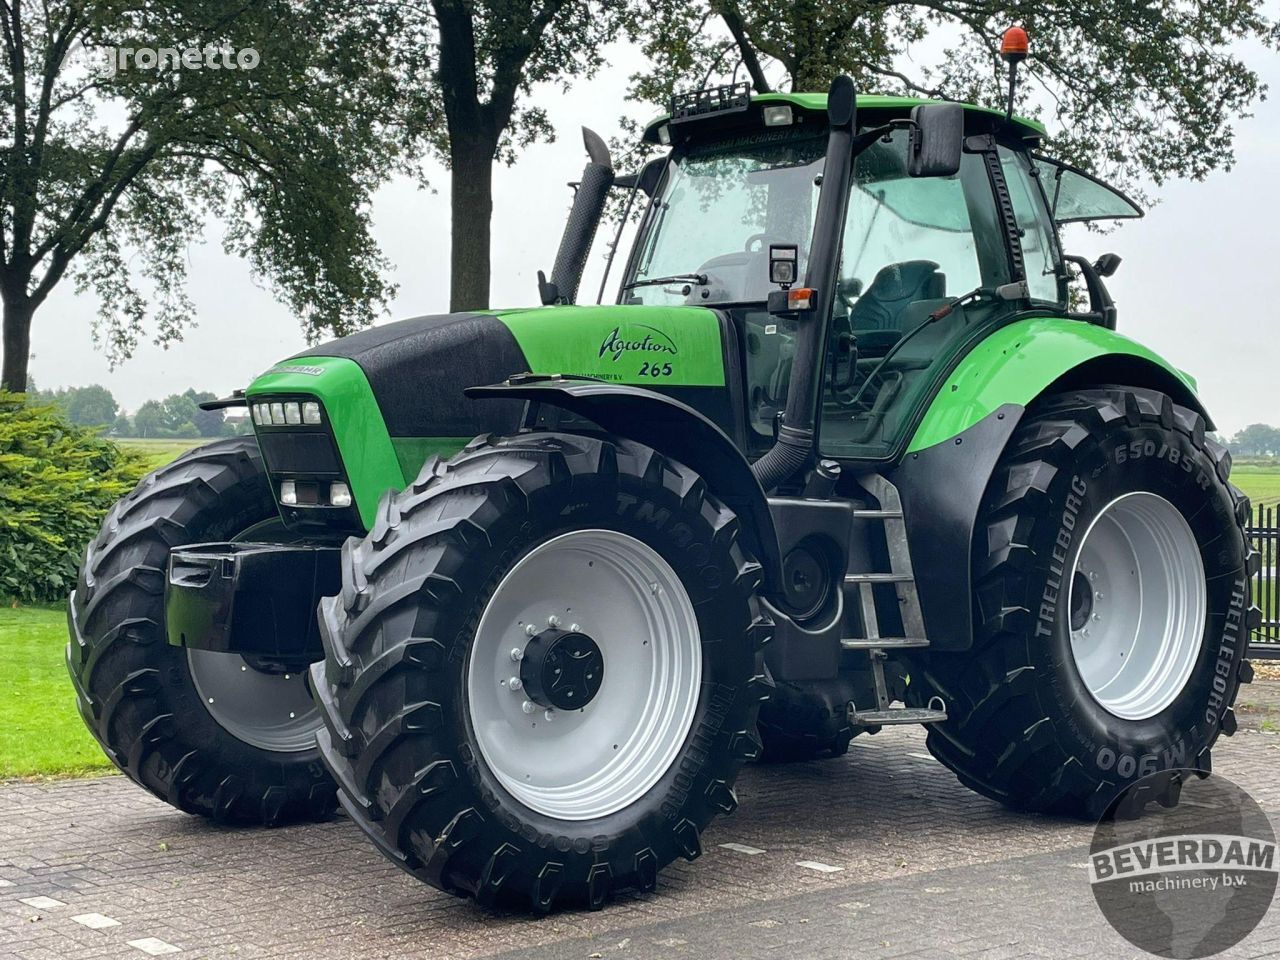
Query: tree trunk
[[471, 211], [17, 345]]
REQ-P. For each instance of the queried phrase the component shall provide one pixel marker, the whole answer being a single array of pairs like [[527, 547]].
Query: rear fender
[[673, 429], [954, 452]]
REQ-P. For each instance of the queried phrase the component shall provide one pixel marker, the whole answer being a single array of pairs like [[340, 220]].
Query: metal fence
[[1265, 534]]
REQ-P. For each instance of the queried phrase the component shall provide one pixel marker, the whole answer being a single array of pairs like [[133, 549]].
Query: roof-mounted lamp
[[1013, 50]]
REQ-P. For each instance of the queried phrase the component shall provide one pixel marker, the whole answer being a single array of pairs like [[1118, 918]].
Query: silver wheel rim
[[268, 710], [1137, 604], [593, 761]]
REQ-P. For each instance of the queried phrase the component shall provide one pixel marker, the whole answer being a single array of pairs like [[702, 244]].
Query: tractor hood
[[393, 394]]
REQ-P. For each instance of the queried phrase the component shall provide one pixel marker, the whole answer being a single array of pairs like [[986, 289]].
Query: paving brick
[[927, 869]]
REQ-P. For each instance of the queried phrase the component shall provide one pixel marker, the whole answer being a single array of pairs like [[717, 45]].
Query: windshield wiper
[[699, 278]]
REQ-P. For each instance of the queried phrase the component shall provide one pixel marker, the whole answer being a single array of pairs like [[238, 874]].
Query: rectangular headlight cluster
[[290, 413], [302, 493]]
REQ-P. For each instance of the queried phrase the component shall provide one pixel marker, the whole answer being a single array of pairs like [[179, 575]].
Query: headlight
[[339, 495], [311, 412], [292, 415], [289, 493]]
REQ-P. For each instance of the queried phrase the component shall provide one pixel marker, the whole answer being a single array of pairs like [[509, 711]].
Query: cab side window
[[1039, 243]]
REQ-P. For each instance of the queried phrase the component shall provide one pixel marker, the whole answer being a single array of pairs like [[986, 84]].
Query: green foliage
[[107, 176], [1256, 440], [57, 481], [1136, 91], [91, 406]]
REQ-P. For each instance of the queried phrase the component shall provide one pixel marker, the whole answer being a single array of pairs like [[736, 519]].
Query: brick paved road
[[925, 869]]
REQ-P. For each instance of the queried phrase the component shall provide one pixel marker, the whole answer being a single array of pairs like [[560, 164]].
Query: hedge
[[57, 482]]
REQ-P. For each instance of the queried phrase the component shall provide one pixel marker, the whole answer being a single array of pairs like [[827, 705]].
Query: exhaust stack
[[580, 230], [796, 435]]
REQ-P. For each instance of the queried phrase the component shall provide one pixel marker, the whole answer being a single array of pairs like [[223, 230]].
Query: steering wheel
[[754, 238]]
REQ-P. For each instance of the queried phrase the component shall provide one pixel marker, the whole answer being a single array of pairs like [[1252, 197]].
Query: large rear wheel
[[543, 672], [1113, 611]]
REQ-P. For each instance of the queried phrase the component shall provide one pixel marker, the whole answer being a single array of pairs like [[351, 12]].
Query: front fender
[[954, 451], [673, 429]]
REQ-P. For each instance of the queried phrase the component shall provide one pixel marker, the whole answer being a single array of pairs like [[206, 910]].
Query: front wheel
[[1113, 577], [543, 671], [211, 733]]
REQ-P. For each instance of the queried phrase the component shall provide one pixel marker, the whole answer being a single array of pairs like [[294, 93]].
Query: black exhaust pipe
[[796, 434], [580, 230]]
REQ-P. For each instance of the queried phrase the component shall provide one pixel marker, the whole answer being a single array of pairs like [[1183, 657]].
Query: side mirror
[[1107, 264], [937, 140]]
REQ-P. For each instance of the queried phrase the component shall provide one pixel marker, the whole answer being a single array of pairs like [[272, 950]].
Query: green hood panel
[[1017, 363], [649, 345]]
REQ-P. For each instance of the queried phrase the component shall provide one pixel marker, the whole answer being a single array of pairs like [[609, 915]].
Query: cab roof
[[815, 104]]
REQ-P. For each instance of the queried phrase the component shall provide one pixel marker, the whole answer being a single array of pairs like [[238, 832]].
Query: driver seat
[[895, 288]]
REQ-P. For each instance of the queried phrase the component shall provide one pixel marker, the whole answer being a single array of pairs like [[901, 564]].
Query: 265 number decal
[[648, 369]]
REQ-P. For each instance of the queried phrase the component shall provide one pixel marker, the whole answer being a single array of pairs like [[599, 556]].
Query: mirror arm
[[1102, 309]]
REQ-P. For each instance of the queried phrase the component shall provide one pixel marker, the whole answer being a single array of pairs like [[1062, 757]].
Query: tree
[[1256, 440], [490, 53], [277, 117], [1135, 91], [207, 422], [149, 420], [91, 406]]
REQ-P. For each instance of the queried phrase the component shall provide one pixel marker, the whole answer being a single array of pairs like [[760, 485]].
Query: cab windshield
[[721, 207]]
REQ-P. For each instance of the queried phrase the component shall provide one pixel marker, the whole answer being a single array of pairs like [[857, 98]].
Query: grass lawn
[[160, 452], [1260, 481], [40, 731]]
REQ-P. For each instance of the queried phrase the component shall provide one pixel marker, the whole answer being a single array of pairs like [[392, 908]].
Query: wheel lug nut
[[514, 683], [528, 706], [530, 630], [549, 716], [553, 621], [574, 628], [1093, 575], [517, 654]]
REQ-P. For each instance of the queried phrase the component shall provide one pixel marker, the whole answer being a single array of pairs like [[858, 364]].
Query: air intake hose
[[796, 434], [584, 217]]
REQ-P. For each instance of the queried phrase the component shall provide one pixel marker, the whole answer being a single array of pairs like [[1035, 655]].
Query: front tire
[[1112, 606], [185, 724], [467, 765]]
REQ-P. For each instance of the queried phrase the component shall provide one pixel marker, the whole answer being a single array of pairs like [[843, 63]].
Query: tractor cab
[[740, 191]]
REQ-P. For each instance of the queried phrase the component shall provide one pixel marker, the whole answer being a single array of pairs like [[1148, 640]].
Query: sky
[[1198, 282]]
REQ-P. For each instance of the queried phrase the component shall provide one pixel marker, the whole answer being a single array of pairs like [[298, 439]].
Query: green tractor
[[524, 589]]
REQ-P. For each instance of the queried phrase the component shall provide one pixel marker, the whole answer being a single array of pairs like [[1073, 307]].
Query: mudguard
[[672, 428], [965, 429]]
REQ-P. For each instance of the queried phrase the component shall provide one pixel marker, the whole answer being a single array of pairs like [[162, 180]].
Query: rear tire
[[1038, 718], [135, 692], [425, 732]]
